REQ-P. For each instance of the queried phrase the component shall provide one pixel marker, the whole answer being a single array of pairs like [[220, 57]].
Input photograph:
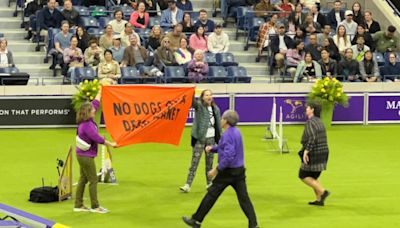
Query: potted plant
[[87, 91]]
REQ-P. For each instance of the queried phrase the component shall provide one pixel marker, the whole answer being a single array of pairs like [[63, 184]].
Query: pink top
[[196, 42], [135, 16]]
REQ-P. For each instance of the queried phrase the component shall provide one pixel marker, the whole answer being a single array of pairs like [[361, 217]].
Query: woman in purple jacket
[[197, 68], [86, 150]]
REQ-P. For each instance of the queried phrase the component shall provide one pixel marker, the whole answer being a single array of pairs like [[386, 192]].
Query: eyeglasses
[[166, 41]]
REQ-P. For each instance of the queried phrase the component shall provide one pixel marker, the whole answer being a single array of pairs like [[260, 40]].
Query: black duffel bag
[[44, 194]]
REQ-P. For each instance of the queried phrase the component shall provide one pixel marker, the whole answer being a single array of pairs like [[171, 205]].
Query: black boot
[[29, 36]]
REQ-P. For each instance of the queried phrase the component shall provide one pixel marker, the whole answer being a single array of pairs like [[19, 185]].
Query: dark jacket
[[359, 18], [331, 19], [349, 68], [390, 69], [275, 43], [330, 67], [298, 22], [129, 55], [368, 40], [315, 51], [34, 6], [48, 20], [201, 121], [185, 7], [321, 19], [72, 16], [375, 27]]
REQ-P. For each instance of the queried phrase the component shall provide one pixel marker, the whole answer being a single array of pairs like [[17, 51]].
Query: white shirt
[[282, 44], [316, 17], [173, 15], [4, 59], [210, 130], [338, 18], [118, 27]]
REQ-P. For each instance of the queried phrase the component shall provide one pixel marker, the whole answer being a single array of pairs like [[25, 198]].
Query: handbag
[[301, 154], [82, 144]]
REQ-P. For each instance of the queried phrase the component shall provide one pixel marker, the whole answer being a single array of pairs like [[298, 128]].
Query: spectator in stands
[[61, 41], [226, 5], [367, 37], [135, 55], [265, 30], [197, 68], [30, 11], [369, 69], [93, 54], [294, 56], [127, 33], [118, 23], [155, 37], [50, 17], [117, 49], [109, 71], [308, 70], [140, 18], [175, 36], [122, 2], [204, 21], [83, 38], [310, 26], [391, 69], [105, 41], [183, 55], [359, 49], [314, 48], [165, 54], [348, 67], [171, 16], [279, 46], [328, 65], [88, 3], [151, 7], [336, 15], [187, 25], [300, 34], [358, 15], [326, 32], [70, 14], [218, 41], [349, 24], [342, 40], [264, 8], [6, 57], [330, 45], [386, 41], [198, 40], [185, 5], [310, 3], [297, 18], [163, 4], [286, 7], [371, 25], [73, 58], [318, 17]]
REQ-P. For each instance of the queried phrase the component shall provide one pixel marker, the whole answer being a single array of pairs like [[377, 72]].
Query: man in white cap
[[349, 24]]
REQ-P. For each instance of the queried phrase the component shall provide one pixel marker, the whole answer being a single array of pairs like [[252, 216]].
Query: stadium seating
[[85, 73], [175, 74], [129, 75], [217, 74], [89, 22], [238, 74], [226, 59]]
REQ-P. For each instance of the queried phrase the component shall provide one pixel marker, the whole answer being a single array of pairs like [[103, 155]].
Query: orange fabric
[[140, 114]]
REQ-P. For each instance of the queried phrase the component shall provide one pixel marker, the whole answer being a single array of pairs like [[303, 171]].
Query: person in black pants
[[229, 172]]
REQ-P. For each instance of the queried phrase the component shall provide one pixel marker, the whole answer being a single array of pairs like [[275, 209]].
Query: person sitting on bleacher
[[297, 17], [348, 67], [30, 11], [6, 57], [279, 46], [70, 14], [197, 68], [185, 5], [73, 58], [318, 17], [187, 25], [105, 40], [286, 7], [118, 23], [264, 32], [358, 15], [263, 8], [205, 22], [391, 68], [140, 18], [50, 17], [294, 56], [198, 40], [371, 26], [175, 37], [369, 69], [314, 48], [61, 41], [122, 2], [163, 4], [117, 49], [341, 39], [386, 41], [171, 16], [329, 44], [154, 40], [83, 38], [227, 4], [326, 32], [127, 33], [349, 24], [109, 71], [310, 3], [94, 54], [310, 26], [165, 54], [151, 7], [328, 66], [183, 55], [336, 15], [218, 41], [367, 37], [134, 55], [308, 70], [359, 49]]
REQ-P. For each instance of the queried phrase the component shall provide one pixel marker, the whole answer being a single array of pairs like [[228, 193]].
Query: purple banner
[[384, 108], [353, 113], [222, 103]]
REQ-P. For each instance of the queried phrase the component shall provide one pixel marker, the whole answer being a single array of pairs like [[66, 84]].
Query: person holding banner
[[229, 172], [314, 153], [206, 131], [86, 150]]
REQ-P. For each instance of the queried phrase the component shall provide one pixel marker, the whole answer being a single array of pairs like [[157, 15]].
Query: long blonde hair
[[84, 112], [344, 35]]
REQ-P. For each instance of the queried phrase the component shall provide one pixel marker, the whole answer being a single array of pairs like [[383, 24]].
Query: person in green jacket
[[206, 131]]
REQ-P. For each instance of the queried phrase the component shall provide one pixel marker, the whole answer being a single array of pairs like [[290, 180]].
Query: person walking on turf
[[86, 150], [314, 153], [206, 131], [229, 172]]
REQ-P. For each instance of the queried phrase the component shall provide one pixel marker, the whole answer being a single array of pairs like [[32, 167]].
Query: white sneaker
[[185, 188], [100, 210], [81, 209]]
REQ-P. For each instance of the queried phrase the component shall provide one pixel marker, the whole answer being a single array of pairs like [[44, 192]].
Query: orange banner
[[140, 114]]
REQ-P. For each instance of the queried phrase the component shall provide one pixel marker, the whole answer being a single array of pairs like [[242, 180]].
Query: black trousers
[[236, 178]]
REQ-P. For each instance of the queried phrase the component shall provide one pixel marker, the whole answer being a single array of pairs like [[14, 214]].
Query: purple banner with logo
[[222, 103], [383, 107]]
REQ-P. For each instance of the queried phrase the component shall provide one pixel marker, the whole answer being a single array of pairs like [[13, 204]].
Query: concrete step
[[10, 23], [37, 69], [199, 4], [28, 57], [21, 46], [14, 34], [6, 12]]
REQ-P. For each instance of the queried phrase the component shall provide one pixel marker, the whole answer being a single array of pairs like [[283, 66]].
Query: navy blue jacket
[[390, 69], [48, 20], [331, 19], [275, 43]]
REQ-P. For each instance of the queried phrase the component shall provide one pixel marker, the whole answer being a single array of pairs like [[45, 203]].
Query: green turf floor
[[363, 175]]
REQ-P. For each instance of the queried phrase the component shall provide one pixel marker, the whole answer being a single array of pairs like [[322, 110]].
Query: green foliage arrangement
[[328, 91], [87, 91]]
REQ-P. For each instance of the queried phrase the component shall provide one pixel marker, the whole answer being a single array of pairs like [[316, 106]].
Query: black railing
[[395, 6]]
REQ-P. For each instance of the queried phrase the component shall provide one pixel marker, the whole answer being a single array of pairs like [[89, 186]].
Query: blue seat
[[9, 70], [241, 19], [89, 22], [127, 12], [194, 15], [103, 21], [175, 74], [153, 21], [217, 74], [238, 73], [99, 9], [97, 32], [210, 58], [85, 73], [253, 26], [129, 75], [83, 11], [143, 70], [378, 57], [226, 59]]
